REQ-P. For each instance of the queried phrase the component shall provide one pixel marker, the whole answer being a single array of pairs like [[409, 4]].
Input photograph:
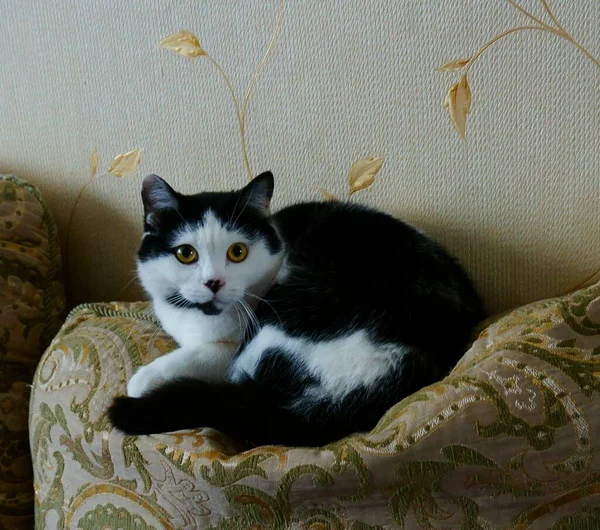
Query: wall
[[347, 79]]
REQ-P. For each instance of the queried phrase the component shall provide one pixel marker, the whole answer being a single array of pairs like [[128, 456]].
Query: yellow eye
[[237, 252], [186, 254]]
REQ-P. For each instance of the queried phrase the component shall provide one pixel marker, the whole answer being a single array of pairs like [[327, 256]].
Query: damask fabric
[[31, 306], [507, 440]]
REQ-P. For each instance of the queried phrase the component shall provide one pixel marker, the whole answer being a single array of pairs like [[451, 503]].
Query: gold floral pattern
[[185, 43], [123, 165], [31, 307], [458, 99], [514, 425]]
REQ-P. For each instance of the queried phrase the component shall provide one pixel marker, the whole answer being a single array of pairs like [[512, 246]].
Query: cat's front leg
[[207, 363]]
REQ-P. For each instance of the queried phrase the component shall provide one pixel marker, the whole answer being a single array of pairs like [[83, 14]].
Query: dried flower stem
[[263, 62], [238, 114], [557, 30], [69, 229], [241, 114], [552, 16], [503, 35]]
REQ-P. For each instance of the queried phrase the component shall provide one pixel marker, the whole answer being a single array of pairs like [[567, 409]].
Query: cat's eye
[[186, 254], [237, 252]]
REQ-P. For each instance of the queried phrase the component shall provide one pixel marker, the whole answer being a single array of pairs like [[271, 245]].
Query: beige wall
[[518, 203]]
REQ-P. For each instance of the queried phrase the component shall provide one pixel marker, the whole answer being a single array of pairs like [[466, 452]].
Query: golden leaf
[[328, 196], [94, 163], [458, 101], [184, 43], [125, 165], [454, 66], [362, 173]]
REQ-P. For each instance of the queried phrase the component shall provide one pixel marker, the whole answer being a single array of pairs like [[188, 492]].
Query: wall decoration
[[123, 165], [458, 98], [185, 43]]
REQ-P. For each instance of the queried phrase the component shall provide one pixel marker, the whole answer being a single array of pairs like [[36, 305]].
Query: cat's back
[[345, 232], [351, 263]]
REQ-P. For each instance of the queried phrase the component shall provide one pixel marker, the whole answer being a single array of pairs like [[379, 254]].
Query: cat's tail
[[241, 410]]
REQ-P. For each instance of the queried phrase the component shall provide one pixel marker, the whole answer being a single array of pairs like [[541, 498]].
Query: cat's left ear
[[258, 193], [158, 197]]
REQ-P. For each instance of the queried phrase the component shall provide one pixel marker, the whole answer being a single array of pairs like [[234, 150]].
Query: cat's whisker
[[187, 225], [180, 302], [252, 316], [155, 335], [234, 209], [133, 272], [248, 328], [248, 293], [132, 330], [242, 321], [245, 206], [249, 322]]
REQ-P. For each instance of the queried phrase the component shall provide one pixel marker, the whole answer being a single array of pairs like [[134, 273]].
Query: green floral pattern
[[31, 309], [507, 440]]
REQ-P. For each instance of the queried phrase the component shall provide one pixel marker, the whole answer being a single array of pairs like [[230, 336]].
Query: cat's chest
[[338, 365], [191, 329]]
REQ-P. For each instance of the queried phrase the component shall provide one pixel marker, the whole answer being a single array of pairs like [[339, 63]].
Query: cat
[[341, 311]]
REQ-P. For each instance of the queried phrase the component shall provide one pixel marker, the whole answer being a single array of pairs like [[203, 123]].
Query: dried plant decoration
[[327, 196], [454, 66], [458, 102], [458, 99], [122, 166], [362, 173], [94, 163], [184, 43], [187, 44], [126, 164]]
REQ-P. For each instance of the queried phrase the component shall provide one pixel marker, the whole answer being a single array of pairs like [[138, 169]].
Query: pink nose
[[214, 285]]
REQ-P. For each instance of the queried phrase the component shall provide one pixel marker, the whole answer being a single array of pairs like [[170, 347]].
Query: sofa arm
[[31, 307]]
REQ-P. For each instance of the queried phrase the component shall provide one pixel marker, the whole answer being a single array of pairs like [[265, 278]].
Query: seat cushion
[[509, 439], [31, 307]]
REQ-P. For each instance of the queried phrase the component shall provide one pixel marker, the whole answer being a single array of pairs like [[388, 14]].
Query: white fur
[[340, 364], [208, 362], [196, 332]]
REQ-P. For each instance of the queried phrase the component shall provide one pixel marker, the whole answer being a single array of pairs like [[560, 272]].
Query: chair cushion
[[31, 304], [508, 439]]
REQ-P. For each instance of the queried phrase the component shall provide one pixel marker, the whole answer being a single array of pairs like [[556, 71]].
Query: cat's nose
[[214, 285]]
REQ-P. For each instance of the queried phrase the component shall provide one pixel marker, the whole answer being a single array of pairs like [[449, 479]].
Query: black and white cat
[[342, 311]]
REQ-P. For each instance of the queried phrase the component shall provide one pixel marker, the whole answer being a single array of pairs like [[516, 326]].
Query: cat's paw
[[145, 379]]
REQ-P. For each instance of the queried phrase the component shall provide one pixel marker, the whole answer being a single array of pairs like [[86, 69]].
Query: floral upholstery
[[31, 307], [507, 440]]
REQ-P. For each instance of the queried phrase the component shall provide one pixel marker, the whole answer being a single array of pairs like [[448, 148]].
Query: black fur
[[351, 268], [178, 300]]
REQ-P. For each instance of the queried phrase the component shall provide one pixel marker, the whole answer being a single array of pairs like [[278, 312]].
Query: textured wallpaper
[[517, 202]]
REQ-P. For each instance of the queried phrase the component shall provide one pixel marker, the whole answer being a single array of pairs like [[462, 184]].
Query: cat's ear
[[258, 193], [158, 197]]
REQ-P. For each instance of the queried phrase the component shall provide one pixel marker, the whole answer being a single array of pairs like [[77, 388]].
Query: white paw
[[146, 378]]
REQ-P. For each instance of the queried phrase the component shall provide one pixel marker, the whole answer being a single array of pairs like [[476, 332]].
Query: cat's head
[[205, 252]]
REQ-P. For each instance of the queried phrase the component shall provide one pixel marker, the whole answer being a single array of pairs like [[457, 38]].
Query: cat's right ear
[[158, 197]]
